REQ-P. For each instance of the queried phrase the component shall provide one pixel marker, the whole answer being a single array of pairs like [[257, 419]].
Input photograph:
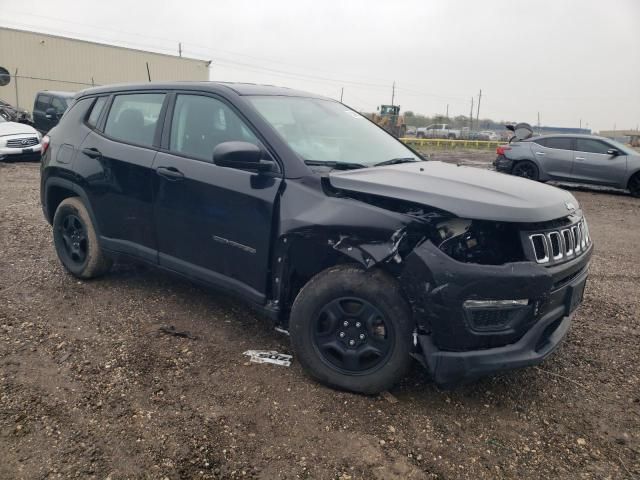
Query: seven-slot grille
[[22, 142], [556, 246]]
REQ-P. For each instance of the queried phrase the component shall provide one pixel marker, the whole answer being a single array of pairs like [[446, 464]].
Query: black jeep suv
[[367, 254]]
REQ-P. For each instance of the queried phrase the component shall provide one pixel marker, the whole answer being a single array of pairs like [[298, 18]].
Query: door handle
[[170, 173], [540, 153], [579, 158], [92, 152]]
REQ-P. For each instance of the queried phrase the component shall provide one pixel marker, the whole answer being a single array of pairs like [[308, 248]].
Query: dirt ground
[[91, 388]]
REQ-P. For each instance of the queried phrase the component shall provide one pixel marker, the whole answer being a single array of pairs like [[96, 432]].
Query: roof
[[568, 135], [58, 93], [238, 88]]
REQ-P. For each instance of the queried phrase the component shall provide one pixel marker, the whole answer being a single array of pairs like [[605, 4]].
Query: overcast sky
[[569, 60]]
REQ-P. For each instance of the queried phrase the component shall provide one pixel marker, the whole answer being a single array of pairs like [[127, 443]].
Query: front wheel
[[526, 169], [351, 329]]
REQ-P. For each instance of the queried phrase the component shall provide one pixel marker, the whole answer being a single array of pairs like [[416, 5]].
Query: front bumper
[[15, 154], [453, 349], [503, 164]]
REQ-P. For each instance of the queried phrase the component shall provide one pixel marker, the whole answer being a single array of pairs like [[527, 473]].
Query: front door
[[213, 223], [554, 155], [594, 165]]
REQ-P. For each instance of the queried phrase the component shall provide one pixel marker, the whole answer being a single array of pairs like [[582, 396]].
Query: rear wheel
[[526, 169], [76, 242], [634, 185], [351, 329]]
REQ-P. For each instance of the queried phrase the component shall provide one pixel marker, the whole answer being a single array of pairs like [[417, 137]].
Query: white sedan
[[18, 141]]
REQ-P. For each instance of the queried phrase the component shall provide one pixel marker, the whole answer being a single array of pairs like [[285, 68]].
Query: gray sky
[[569, 60]]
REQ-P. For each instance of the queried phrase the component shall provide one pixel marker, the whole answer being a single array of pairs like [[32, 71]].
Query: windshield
[[327, 131]]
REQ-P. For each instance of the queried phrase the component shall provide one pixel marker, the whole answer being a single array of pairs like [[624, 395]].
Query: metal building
[[38, 61]]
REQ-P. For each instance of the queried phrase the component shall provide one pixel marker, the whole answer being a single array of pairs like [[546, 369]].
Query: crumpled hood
[[464, 191], [15, 128]]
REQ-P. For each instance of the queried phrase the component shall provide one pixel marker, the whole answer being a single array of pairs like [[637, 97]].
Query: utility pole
[[538, 122], [580, 124], [15, 84], [471, 117], [180, 49], [447, 111], [393, 92], [341, 93], [478, 114]]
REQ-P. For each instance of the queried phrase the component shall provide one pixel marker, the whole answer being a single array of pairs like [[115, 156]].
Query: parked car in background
[[572, 158], [489, 135], [437, 130], [368, 255], [411, 131], [18, 141], [14, 114], [48, 107]]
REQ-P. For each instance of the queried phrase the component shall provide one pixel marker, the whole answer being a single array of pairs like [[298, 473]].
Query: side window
[[59, 104], [560, 143], [92, 121], [590, 145], [540, 141], [42, 102], [133, 117], [200, 123]]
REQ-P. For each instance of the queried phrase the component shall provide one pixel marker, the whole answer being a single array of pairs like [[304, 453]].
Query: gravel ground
[[91, 388]]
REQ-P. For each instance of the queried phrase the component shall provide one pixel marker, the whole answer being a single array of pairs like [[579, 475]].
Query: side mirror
[[614, 152], [241, 155], [50, 113]]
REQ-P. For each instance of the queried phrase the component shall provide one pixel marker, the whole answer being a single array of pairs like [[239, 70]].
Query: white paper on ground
[[269, 356]]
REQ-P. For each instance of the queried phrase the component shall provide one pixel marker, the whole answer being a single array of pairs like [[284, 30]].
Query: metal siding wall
[[40, 55]]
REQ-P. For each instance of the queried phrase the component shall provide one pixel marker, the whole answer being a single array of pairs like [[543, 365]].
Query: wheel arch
[[633, 174], [57, 190]]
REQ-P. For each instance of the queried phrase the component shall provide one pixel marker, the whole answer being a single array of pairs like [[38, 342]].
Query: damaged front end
[[479, 302]]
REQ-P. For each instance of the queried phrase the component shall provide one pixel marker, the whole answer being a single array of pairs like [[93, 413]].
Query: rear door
[[213, 223], [554, 155], [594, 165], [115, 163]]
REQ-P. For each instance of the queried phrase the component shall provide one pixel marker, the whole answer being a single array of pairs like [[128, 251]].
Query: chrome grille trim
[[22, 142], [556, 246], [544, 258]]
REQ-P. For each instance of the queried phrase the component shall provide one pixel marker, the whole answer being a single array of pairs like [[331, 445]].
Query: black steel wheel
[[525, 169], [76, 241], [352, 335], [74, 238], [351, 329], [634, 185]]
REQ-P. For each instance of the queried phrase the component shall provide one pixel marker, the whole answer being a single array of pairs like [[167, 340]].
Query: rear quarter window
[[96, 110]]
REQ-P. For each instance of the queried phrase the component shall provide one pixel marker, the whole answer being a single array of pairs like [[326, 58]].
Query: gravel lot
[[91, 388]]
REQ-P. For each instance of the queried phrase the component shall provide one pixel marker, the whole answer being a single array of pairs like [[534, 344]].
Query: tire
[[76, 242], [351, 329], [420, 135], [526, 169], [634, 185]]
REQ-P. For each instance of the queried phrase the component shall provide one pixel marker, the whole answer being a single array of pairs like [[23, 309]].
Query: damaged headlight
[[473, 241]]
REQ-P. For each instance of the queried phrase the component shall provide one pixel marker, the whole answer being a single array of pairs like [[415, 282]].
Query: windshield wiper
[[395, 161], [336, 165]]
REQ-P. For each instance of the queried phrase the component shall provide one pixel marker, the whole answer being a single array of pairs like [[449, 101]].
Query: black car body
[[483, 270], [48, 108]]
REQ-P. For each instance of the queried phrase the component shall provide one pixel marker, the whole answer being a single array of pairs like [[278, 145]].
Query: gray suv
[[572, 158]]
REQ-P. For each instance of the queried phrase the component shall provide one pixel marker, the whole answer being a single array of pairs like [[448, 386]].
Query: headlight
[[484, 242]]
